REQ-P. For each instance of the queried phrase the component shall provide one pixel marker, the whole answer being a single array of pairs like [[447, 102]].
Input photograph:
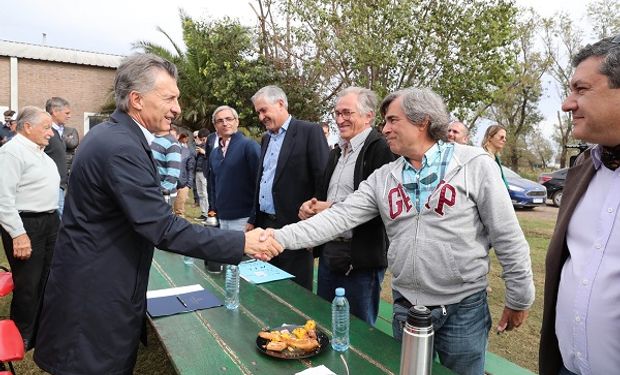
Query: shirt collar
[[283, 128], [429, 155], [28, 143], [357, 141], [147, 134], [59, 128]]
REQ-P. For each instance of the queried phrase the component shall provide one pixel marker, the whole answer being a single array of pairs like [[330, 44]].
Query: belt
[[35, 214], [402, 301], [269, 216]]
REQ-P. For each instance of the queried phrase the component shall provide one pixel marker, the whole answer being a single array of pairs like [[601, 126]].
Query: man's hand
[[259, 247], [312, 207], [248, 227], [21, 247], [511, 319]]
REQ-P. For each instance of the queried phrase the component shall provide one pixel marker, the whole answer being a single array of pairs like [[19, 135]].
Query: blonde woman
[[493, 142]]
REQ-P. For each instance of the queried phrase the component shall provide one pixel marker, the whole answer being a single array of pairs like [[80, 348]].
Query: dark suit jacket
[[577, 181], [95, 299], [299, 171], [56, 150], [369, 243]]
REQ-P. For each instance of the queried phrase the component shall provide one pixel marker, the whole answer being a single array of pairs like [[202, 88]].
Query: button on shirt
[[341, 182], [270, 162], [29, 183], [421, 183], [588, 306]]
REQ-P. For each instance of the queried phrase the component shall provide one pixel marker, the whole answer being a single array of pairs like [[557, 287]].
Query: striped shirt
[[420, 184], [167, 155]]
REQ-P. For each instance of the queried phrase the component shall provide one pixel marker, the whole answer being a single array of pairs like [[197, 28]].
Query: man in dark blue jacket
[[233, 167], [94, 304]]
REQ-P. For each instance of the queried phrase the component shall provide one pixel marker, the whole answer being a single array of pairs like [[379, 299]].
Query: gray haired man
[[443, 206]]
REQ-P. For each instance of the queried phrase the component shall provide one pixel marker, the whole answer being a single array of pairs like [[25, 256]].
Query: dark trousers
[[299, 263], [362, 286], [30, 275]]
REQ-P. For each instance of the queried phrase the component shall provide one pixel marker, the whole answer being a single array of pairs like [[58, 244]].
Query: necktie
[[610, 156]]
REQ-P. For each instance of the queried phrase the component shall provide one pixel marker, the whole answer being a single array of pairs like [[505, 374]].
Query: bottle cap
[[419, 316], [339, 292]]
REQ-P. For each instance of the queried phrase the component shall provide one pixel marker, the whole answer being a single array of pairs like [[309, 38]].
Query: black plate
[[320, 335]]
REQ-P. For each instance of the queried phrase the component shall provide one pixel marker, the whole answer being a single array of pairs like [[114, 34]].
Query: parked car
[[524, 193], [554, 182]]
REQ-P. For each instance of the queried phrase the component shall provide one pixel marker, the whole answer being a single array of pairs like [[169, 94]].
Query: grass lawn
[[520, 347]]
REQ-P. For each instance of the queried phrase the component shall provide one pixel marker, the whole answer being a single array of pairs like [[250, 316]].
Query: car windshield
[[509, 173]]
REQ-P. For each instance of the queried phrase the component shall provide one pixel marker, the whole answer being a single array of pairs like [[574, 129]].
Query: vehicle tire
[[557, 198]]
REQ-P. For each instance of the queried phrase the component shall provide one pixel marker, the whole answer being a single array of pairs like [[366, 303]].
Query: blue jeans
[[362, 289], [461, 332], [235, 224]]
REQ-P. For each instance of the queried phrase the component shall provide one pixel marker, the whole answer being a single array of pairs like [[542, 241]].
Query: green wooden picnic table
[[219, 341]]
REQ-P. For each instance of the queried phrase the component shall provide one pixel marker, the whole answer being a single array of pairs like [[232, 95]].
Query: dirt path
[[545, 212]]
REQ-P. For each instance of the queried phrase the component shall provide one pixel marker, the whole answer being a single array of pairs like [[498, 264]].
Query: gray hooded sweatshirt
[[440, 255]]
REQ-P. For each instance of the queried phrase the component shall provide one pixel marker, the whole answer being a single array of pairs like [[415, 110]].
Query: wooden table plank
[[223, 341]]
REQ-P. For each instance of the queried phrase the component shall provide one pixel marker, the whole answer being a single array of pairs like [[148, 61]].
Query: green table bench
[[219, 341]]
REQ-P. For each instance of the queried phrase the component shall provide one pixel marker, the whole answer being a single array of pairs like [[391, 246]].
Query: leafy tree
[[539, 149], [562, 39], [605, 17], [221, 67], [461, 49], [516, 105]]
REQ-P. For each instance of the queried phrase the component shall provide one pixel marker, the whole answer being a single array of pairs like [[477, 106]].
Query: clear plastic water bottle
[[340, 321], [188, 260], [231, 300]]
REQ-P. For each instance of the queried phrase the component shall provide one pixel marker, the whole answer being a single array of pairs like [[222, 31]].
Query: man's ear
[[135, 100]]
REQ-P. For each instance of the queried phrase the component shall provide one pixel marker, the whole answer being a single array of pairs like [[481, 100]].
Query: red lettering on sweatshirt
[[397, 198], [445, 199]]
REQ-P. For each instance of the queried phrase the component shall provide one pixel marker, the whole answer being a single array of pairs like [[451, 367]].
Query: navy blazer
[[232, 179], [299, 172], [94, 305]]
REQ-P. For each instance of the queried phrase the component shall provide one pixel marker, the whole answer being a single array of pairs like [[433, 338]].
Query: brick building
[[30, 74]]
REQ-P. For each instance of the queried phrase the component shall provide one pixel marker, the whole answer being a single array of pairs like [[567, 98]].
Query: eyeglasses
[[346, 115], [225, 119]]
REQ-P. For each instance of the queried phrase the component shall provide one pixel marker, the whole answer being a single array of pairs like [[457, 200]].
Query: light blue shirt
[[420, 184], [270, 163], [588, 306]]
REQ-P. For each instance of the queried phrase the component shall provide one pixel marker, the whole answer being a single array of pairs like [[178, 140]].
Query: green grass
[[520, 346]]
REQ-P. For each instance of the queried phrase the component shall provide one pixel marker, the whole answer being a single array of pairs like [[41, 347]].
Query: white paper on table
[[173, 291], [319, 370]]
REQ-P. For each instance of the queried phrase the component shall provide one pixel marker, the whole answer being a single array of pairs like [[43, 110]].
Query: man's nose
[[570, 104]]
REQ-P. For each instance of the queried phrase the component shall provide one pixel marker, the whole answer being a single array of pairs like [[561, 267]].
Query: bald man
[[458, 133]]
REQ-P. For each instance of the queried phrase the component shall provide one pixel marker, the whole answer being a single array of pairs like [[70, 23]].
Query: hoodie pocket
[[435, 266]]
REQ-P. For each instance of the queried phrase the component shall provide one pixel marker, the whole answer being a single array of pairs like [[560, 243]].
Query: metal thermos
[[416, 356]]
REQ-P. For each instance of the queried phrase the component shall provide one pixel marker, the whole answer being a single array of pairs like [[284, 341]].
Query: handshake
[[261, 244]]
